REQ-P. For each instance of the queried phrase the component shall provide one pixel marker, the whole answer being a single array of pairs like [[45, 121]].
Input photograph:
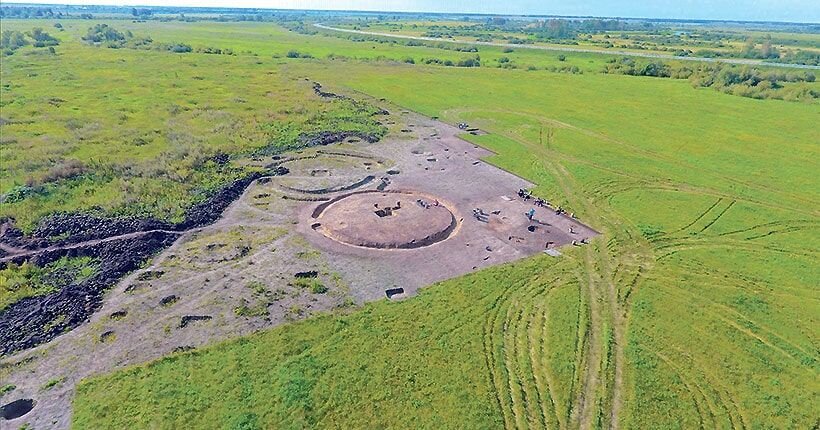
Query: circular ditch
[[386, 219], [336, 189], [16, 409]]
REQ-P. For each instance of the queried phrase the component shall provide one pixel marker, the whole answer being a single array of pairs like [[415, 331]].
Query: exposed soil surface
[[260, 264], [121, 245], [386, 220]]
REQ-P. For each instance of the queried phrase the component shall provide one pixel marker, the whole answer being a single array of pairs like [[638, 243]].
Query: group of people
[[427, 205], [480, 215], [527, 195]]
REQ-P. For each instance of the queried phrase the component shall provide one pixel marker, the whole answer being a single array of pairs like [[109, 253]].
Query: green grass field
[[136, 134], [696, 307]]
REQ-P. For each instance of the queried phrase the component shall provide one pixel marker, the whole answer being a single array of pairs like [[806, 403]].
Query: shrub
[[66, 169], [16, 194], [11, 40], [296, 54], [470, 62], [52, 383], [318, 288], [180, 48], [103, 33], [42, 39]]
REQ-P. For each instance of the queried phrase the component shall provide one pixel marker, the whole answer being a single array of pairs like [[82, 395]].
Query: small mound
[[386, 220]]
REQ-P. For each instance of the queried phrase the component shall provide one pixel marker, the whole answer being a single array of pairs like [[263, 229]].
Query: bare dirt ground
[[264, 263]]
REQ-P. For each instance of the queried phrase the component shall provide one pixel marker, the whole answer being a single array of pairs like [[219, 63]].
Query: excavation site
[[337, 226]]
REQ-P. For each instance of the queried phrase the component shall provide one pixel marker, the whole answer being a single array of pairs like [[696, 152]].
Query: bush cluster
[[11, 40], [746, 81]]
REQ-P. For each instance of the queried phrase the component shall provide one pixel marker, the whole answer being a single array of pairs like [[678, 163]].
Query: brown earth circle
[[386, 219]]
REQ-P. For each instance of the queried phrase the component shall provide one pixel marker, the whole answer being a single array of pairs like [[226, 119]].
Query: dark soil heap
[[120, 244]]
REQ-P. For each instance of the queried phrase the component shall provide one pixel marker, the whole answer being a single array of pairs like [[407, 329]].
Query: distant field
[[695, 308], [663, 40]]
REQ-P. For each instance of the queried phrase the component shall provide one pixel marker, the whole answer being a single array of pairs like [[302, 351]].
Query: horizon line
[[414, 12]]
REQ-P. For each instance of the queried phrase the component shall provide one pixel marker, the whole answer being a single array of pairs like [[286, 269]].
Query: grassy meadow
[[134, 132], [696, 307]]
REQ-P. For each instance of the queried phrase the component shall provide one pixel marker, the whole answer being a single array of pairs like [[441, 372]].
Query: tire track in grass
[[535, 417], [746, 331], [716, 398], [543, 381], [711, 223], [585, 402], [722, 394], [522, 357], [609, 396], [515, 335], [751, 334], [535, 356], [766, 329], [533, 348], [776, 232], [495, 351], [669, 241], [673, 249], [789, 223], [695, 392], [514, 384], [492, 360], [599, 274], [581, 329], [715, 382], [582, 412], [699, 217], [598, 265], [556, 420]]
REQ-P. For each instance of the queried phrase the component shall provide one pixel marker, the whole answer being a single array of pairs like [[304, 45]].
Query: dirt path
[[604, 278], [580, 50]]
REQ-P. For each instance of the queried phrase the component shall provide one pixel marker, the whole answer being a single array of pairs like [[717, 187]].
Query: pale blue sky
[[755, 10]]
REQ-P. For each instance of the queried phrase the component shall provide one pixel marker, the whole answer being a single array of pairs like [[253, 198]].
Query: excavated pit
[[16, 409], [386, 219]]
